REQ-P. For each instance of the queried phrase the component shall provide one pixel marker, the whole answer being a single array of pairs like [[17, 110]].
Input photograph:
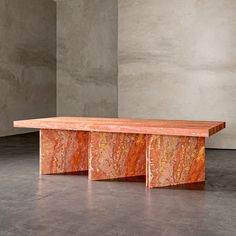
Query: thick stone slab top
[[118, 125]]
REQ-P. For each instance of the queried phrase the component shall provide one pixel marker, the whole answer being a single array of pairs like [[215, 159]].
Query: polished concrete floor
[[71, 205]]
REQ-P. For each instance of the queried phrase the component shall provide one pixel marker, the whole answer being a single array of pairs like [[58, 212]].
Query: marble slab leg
[[173, 160], [63, 151], [116, 155]]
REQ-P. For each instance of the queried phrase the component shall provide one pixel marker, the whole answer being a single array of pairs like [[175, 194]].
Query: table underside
[[164, 160]]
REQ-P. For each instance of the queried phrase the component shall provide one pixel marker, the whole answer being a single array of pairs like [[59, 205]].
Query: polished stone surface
[[63, 151], [174, 160], [119, 148], [116, 155], [118, 125], [71, 205]]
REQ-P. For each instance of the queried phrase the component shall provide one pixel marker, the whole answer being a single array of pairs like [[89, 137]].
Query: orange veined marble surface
[[167, 152], [63, 151], [113, 155], [161, 127], [173, 160]]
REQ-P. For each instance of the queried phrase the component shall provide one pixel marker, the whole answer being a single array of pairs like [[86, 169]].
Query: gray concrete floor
[[71, 205]]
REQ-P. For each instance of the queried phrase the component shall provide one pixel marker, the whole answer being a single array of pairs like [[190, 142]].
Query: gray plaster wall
[[27, 61], [177, 60], [87, 58]]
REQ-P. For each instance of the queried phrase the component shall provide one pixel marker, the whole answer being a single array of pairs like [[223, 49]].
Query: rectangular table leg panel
[[63, 151], [116, 155], [173, 160]]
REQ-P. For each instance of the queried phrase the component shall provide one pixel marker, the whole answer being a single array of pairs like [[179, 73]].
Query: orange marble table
[[168, 152]]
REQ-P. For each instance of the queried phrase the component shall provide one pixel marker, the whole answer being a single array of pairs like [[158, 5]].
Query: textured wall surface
[[87, 58], [177, 60], [27, 61]]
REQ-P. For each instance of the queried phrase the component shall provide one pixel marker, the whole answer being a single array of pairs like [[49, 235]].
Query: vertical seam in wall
[[56, 62], [117, 56]]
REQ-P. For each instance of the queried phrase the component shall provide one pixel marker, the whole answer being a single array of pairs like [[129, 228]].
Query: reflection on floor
[[71, 205]]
